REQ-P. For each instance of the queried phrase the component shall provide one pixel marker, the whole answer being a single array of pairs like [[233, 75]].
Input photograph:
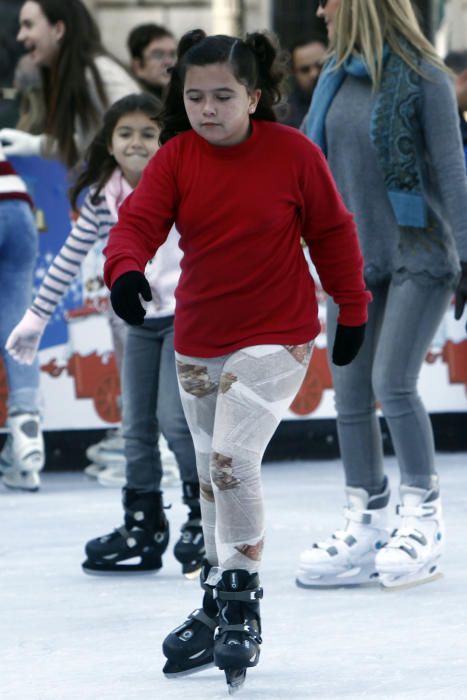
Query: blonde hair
[[364, 26]]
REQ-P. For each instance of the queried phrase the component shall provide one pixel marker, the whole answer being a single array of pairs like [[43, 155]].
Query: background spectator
[[307, 60], [153, 51]]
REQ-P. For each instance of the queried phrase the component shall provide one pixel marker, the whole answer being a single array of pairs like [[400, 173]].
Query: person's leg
[[119, 331], [140, 389], [198, 380], [189, 549], [347, 557], [357, 422], [412, 315], [139, 544], [256, 388], [233, 405], [190, 646], [18, 254], [23, 455], [170, 415]]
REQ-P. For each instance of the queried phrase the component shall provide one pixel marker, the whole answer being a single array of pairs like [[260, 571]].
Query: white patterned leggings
[[233, 404]]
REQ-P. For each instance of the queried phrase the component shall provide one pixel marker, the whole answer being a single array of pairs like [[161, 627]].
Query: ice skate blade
[[353, 578], [402, 583], [192, 575], [336, 586], [235, 678], [120, 572], [17, 486], [188, 672], [93, 470]]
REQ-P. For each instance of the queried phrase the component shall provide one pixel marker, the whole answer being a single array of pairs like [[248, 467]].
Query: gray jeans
[[403, 319], [151, 403]]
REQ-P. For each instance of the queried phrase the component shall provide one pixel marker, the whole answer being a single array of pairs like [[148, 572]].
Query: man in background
[[307, 59], [153, 51]]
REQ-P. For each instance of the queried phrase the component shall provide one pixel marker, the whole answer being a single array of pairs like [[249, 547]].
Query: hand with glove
[[461, 294], [125, 297], [19, 143], [347, 343], [23, 341]]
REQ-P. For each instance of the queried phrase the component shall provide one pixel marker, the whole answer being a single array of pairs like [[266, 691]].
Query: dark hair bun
[[188, 40], [263, 48]]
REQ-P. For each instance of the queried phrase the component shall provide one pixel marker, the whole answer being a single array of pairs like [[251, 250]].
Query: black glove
[[124, 296], [347, 343], [461, 294]]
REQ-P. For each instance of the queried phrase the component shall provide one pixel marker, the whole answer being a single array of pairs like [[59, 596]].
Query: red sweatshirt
[[241, 212], [12, 186]]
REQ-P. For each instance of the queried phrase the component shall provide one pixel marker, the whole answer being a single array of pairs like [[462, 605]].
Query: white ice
[[67, 636]]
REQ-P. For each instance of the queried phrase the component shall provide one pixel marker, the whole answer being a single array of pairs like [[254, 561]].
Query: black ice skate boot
[[238, 637], [189, 647], [189, 549], [143, 537]]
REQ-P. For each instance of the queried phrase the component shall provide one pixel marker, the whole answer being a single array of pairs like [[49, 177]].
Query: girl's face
[[134, 142], [40, 38], [217, 105], [328, 13]]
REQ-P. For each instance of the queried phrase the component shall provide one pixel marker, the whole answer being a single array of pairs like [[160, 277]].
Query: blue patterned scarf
[[394, 129]]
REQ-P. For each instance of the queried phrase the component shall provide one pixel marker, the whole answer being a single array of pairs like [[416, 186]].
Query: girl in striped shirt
[[151, 401]]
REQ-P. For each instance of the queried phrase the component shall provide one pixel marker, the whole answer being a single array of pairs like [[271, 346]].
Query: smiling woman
[[79, 79]]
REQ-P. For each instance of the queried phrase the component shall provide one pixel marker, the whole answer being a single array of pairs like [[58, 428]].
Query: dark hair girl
[[100, 163], [242, 191], [256, 62]]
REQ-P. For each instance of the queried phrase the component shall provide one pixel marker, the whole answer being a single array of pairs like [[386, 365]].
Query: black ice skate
[[189, 549], [135, 547], [238, 637], [189, 647]]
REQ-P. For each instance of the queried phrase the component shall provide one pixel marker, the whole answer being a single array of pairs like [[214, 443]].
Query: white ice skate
[[170, 471], [412, 555], [108, 451], [347, 558], [113, 476], [93, 470], [22, 457]]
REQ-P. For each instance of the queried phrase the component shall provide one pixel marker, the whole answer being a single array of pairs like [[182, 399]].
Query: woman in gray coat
[[384, 112]]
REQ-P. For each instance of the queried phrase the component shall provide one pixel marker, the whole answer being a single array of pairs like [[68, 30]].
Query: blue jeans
[[151, 403], [403, 319], [18, 252]]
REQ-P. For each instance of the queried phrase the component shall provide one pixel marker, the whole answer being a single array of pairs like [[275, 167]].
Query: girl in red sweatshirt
[[243, 191]]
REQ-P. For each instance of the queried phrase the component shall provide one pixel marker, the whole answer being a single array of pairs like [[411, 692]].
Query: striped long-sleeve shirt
[[93, 225], [91, 228]]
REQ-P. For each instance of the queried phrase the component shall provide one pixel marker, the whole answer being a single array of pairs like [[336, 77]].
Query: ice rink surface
[[68, 636]]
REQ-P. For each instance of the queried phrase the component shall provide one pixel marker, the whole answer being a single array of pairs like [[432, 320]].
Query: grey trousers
[[151, 403], [233, 405], [403, 319]]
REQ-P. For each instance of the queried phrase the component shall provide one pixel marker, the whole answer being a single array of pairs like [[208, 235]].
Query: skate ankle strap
[[243, 629], [424, 510], [201, 616], [207, 587], [244, 596], [191, 522], [364, 517]]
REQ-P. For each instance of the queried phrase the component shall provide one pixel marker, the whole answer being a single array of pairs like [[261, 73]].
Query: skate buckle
[[257, 594], [363, 517]]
